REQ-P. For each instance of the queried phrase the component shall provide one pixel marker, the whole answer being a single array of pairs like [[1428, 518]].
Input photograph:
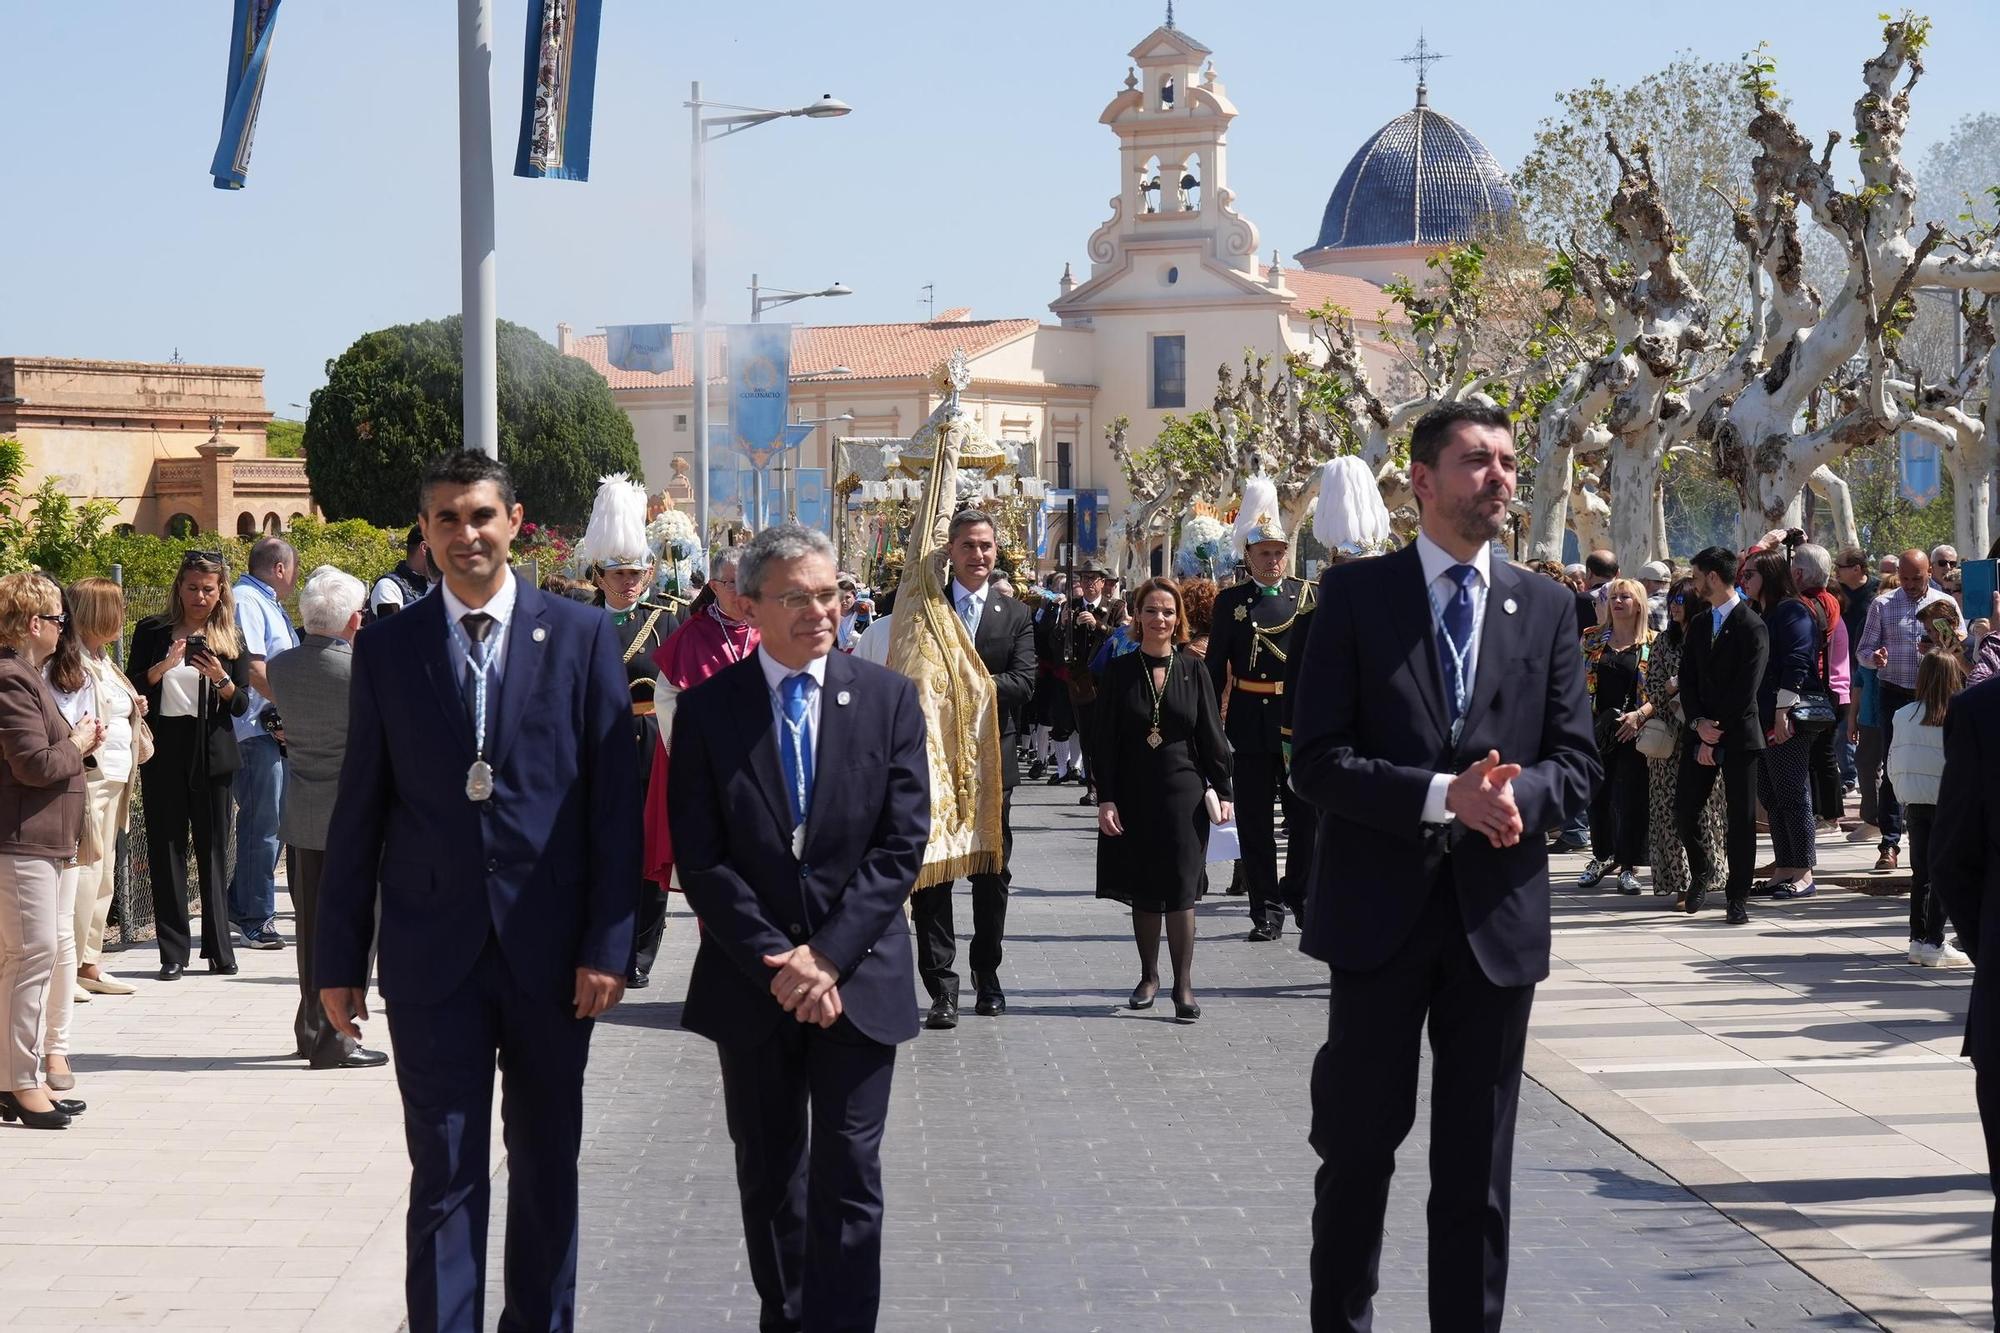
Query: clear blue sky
[[973, 159]]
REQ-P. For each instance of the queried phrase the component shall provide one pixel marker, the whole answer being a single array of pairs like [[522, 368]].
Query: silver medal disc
[[479, 781]]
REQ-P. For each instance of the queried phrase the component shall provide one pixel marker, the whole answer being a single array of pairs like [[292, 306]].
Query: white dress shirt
[[873, 645], [501, 608], [1438, 564], [775, 673], [959, 592]]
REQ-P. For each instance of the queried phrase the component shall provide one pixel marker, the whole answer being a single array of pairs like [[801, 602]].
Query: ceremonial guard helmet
[[616, 537], [1257, 517]]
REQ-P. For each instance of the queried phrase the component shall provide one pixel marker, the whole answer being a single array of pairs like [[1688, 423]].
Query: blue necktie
[[968, 611], [796, 747], [1457, 620]]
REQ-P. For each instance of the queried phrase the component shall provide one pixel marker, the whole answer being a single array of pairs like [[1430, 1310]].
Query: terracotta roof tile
[[870, 351], [1361, 298]]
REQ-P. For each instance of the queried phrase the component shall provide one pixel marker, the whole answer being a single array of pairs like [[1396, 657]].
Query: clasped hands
[[1482, 799], [1711, 736], [806, 985]]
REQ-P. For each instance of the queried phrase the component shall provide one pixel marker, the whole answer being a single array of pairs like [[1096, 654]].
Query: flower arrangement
[[1204, 544], [673, 536]]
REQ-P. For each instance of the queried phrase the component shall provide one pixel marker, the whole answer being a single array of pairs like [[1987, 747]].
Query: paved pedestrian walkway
[[1799, 1072], [1071, 1166]]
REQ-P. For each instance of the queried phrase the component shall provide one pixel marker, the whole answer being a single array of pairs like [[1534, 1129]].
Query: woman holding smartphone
[[196, 680]]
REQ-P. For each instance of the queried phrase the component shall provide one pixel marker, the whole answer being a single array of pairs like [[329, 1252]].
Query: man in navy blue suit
[[1441, 730], [799, 799], [490, 788]]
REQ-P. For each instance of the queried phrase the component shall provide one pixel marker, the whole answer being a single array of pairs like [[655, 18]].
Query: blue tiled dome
[[1422, 179]]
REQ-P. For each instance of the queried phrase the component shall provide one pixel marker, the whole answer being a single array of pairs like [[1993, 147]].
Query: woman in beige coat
[[98, 606]]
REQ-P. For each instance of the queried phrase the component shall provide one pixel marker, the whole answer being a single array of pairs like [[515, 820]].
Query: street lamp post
[[759, 302], [478, 299], [702, 128]]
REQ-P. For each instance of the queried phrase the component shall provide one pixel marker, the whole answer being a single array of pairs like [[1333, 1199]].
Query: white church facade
[[1175, 286]]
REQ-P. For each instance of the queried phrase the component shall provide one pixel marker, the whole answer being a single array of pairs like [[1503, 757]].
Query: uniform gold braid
[[1262, 637]]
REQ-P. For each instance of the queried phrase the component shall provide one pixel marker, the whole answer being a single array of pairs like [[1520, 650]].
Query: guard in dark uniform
[[621, 565], [1080, 631], [1249, 647]]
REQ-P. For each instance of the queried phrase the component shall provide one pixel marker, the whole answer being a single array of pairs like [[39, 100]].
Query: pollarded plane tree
[[1794, 341], [1961, 415]]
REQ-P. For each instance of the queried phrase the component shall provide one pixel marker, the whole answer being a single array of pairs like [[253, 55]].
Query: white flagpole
[[478, 289]]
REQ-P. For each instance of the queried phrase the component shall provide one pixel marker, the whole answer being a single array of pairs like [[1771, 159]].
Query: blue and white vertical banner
[[809, 498], [558, 89], [249, 58], [760, 389], [1919, 475]]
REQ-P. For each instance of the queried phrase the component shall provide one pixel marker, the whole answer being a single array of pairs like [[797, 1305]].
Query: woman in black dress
[[1159, 750], [1615, 656]]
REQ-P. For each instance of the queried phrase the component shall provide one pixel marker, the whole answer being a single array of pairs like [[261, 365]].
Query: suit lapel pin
[[540, 633], [1510, 606], [843, 698]]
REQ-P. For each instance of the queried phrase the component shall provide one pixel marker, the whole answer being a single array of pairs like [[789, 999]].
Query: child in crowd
[[1916, 762]]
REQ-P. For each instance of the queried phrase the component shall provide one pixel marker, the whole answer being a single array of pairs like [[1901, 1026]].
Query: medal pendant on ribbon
[[479, 781], [1153, 739]]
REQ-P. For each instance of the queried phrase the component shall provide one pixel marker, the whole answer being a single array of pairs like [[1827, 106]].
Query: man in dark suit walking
[[1003, 633], [1721, 668], [490, 786], [1964, 858], [1440, 729], [799, 798]]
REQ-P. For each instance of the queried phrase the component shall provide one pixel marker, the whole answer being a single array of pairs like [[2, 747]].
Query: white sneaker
[[1864, 833], [1937, 955]]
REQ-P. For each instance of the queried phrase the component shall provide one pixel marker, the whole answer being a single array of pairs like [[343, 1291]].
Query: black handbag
[[1816, 710]]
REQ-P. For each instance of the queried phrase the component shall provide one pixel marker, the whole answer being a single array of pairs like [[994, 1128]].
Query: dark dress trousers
[[1424, 922], [806, 1105], [185, 786], [1249, 643], [1006, 644], [1721, 675], [487, 910]]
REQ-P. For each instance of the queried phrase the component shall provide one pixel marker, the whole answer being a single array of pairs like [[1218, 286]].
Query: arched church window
[[1188, 189], [273, 525], [246, 525], [1149, 185], [182, 525]]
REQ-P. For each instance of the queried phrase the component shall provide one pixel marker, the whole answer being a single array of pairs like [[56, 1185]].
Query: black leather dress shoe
[[71, 1105], [358, 1058], [992, 1001], [943, 1014], [1696, 895], [169, 972], [637, 980], [1262, 934], [1738, 915], [222, 969]]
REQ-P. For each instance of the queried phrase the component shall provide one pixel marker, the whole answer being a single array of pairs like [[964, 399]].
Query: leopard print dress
[[1670, 866]]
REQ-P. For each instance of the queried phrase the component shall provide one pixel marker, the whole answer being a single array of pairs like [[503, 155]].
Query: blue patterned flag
[[648, 347], [249, 57], [558, 87], [760, 386]]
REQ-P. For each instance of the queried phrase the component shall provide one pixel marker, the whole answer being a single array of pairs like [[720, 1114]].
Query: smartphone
[[197, 646]]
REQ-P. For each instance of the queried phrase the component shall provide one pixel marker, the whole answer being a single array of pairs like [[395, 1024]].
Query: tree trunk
[[1971, 499], [1591, 517], [1548, 515], [1660, 550], [1632, 480], [1831, 487]]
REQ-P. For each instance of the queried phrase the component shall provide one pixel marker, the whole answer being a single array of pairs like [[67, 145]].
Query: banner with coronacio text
[[760, 388]]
